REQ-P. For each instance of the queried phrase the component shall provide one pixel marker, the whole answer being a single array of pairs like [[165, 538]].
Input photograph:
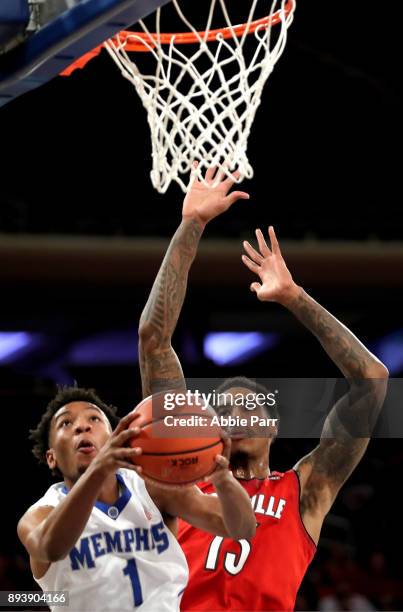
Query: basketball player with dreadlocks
[[265, 572]]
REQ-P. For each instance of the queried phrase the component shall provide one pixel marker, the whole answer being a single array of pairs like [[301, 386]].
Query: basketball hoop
[[203, 96]]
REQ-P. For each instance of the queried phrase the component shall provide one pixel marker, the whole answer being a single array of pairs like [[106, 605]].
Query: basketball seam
[[180, 482], [184, 452]]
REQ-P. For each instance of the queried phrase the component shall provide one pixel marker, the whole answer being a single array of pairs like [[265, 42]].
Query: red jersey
[[262, 574]]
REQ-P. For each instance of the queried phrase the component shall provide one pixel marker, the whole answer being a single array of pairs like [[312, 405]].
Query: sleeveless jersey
[[125, 559], [262, 574]]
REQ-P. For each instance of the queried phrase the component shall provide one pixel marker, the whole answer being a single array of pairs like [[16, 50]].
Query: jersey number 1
[[131, 571]]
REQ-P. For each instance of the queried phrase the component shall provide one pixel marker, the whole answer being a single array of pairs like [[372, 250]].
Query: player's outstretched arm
[[50, 533], [277, 285], [349, 424], [229, 514], [159, 365]]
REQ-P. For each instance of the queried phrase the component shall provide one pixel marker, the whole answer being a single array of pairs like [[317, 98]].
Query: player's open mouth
[[87, 450], [85, 447]]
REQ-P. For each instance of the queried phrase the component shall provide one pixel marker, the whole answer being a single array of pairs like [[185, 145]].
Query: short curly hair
[[65, 395]]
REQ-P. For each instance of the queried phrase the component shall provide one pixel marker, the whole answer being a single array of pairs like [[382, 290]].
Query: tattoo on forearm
[[160, 367], [346, 432], [168, 292], [350, 423], [348, 353]]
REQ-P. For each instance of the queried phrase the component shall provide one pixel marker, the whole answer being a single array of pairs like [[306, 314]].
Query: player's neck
[[109, 492], [246, 467]]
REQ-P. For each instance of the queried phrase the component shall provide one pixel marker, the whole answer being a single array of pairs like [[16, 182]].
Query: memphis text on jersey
[[119, 541]]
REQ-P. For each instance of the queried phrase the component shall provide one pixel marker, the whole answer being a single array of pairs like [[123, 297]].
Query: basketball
[[179, 444]]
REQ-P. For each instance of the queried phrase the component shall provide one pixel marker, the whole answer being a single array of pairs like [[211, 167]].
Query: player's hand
[[116, 453], [204, 203], [222, 472], [276, 283]]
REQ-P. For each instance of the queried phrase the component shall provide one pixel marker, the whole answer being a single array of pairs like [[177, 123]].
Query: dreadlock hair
[[255, 387], [65, 395]]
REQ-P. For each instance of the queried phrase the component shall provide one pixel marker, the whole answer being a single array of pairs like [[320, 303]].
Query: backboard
[[49, 50]]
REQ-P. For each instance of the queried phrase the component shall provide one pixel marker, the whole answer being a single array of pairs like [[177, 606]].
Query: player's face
[[78, 431], [251, 439]]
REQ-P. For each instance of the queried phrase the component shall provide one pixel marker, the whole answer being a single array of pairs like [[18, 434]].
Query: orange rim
[[143, 41]]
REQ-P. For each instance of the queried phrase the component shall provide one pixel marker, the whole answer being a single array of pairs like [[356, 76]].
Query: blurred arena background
[[82, 234]]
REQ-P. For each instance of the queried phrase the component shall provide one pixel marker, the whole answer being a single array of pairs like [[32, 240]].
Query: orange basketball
[[179, 443]]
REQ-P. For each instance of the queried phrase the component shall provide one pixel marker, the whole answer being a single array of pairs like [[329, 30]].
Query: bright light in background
[[11, 343], [115, 347], [389, 350], [231, 348]]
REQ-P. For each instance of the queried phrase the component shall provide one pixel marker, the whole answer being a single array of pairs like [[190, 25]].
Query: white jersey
[[125, 559]]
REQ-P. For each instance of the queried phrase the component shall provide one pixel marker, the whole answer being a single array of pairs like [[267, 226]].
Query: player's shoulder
[[51, 497], [38, 511], [276, 481], [288, 478], [274, 475]]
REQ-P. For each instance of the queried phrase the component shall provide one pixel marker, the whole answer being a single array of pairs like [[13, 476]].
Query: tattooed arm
[[159, 364], [349, 425]]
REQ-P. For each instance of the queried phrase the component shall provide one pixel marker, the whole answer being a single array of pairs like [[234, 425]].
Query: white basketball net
[[202, 99]]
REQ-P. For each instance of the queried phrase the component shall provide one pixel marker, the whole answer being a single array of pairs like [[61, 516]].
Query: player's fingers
[[227, 446], [250, 264], [221, 173], [122, 453], [233, 178], [122, 438], [253, 254], [130, 466], [235, 196], [193, 174], [264, 249], [224, 435], [210, 173], [125, 421], [255, 287], [222, 461], [275, 247]]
